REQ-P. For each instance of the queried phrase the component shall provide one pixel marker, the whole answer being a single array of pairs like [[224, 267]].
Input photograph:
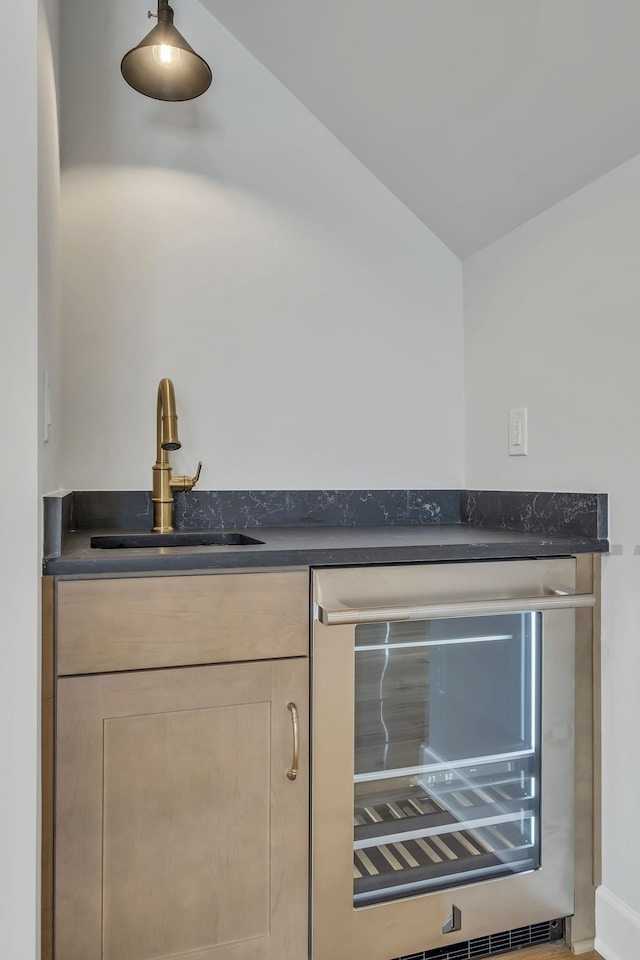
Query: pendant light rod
[[165, 12]]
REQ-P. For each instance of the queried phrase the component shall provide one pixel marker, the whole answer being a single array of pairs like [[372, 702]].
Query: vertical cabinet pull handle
[[293, 772]]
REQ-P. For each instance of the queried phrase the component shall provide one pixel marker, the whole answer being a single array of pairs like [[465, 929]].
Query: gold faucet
[[164, 486]]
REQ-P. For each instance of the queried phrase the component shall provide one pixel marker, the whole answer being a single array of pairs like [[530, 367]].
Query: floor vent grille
[[495, 943]]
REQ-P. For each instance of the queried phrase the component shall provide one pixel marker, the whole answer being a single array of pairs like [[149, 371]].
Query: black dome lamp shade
[[163, 65]]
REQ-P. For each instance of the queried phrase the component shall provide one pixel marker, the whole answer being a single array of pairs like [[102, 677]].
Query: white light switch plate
[[518, 432]]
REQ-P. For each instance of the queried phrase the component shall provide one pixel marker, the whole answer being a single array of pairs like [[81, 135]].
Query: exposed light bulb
[[165, 55]]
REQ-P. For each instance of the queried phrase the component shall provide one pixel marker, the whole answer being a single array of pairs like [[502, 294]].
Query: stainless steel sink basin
[[179, 538]]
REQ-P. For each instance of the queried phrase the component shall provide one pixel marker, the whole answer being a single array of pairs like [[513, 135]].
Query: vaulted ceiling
[[477, 114]]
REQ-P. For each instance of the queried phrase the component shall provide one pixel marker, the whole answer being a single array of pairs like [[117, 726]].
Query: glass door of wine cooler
[[446, 753]]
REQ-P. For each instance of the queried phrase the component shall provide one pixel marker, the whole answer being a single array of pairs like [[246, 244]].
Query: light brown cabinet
[[178, 831]]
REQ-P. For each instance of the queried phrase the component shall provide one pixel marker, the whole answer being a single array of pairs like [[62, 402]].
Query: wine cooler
[[443, 706]]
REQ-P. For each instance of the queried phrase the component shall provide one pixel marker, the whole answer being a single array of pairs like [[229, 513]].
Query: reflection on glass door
[[447, 758]]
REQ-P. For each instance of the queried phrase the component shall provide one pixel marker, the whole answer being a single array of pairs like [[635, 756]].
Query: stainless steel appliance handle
[[552, 600]]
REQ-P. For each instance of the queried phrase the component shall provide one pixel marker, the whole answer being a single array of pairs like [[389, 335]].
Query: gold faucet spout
[[166, 440], [166, 420]]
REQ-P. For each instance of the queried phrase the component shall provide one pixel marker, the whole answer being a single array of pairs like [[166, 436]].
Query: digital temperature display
[[440, 776]]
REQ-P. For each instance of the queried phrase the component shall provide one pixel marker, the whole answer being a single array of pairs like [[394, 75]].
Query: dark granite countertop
[[323, 546], [323, 528]]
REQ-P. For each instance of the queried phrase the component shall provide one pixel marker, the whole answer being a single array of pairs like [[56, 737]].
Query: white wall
[[19, 586], [311, 324], [48, 244], [551, 324]]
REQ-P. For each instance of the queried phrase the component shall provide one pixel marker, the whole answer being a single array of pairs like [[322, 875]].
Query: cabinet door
[[178, 831]]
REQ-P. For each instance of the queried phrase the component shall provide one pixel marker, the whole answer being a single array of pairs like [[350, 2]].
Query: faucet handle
[[184, 484]]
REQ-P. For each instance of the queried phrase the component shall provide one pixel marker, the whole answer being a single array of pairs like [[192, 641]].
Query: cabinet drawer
[[146, 622]]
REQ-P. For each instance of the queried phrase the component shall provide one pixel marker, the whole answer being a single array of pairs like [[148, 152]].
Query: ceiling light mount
[[163, 65]]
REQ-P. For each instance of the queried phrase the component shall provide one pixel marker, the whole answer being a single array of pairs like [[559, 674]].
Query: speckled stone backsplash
[[224, 509], [584, 514], [317, 508]]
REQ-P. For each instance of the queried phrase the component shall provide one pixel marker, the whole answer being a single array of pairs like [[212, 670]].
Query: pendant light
[[163, 65]]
